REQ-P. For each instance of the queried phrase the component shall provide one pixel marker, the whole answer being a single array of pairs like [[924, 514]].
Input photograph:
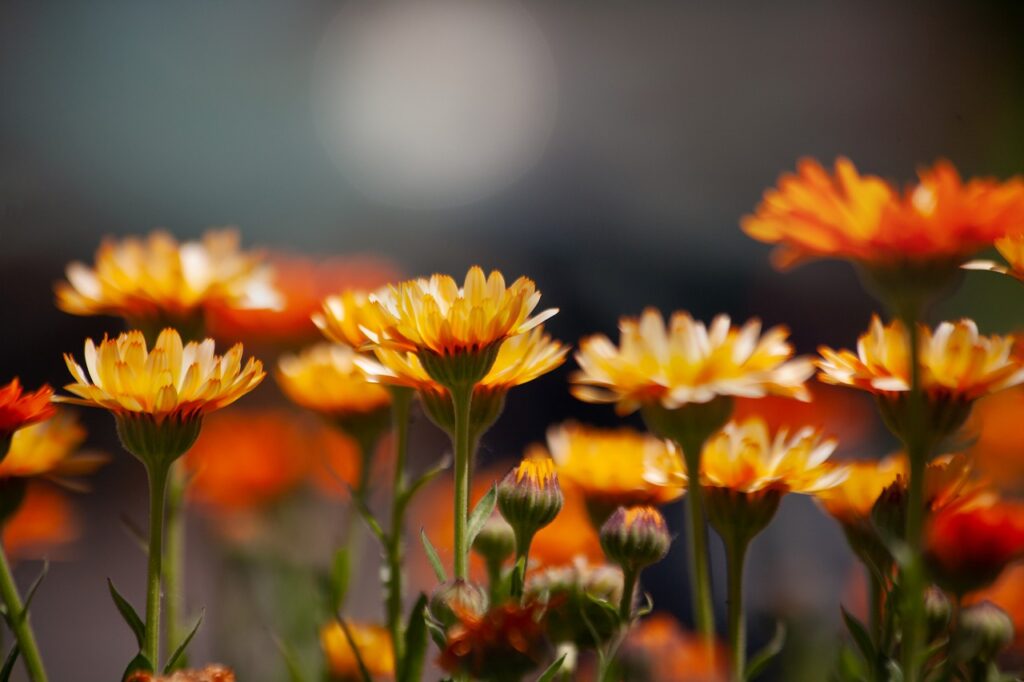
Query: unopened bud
[[456, 599], [529, 497], [937, 611], [496, 541], [635, 537], [982, 631]]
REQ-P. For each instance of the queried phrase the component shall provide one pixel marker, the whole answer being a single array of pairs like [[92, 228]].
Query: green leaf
[[8, 669], [762, 658], [139, 663], [184, 645], [420, 483], [415, 642], [552, 670], [32, 591], [291, 660], [646, 607], [367, 514], [435, 561], [852, 667], [337, 584], [129, 615], [860, 637], [481, 512], [134, 532], [364, 673]]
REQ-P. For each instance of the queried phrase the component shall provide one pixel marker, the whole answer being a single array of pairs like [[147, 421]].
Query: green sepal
[[128, 613]]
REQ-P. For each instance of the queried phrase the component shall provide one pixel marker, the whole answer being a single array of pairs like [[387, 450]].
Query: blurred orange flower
[[967, 546], [506, 642], [44, 522], [817, 214], [245, 459], [211, 673], [337, 459], [325, 378], [50, 448], [373, 643], [997, 439], [659, 650], [19, 409], [302, 282]]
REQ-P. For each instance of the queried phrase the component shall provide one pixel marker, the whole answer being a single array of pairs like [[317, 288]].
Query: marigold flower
[[373, 643], [159, 281], [211, 673], [574, 594], [529, 496], [246, 459], [506, 642], [338, 462], [659, 650], [687, 362], [635, 537], [815, 214], [50, 448], [997, 439], [968, 545], [326, 378], [608, 465], [344, 318], [19, 409], [44, 521], [1011, 248]]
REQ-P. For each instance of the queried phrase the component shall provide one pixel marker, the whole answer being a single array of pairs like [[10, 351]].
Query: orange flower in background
[[50, 448], [659, 650], [1011, 248], [44, 522], [967, 546], [327, 379], [817, 214], [344, 317], [163, 281], [337, 460], [373, 643], [170, 381], [997, 439], [505, 642], [211, 673], [956, 361], [687, 362], [245, 459], [302, 283], [19, 409]]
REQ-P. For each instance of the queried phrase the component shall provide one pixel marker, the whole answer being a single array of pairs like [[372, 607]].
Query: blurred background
[[607, 150]]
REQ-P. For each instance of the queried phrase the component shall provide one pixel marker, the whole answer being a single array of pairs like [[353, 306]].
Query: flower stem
[[462, 399], [876, 608], [697, 544], [629, 579], [19, 622], [401, 400], [174, 559], [158, 474], [736, 554]]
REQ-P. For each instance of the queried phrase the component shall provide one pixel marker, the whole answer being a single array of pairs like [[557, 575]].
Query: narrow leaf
[[481, 512], [415, 642], [137, 664], [367, 514], [435, 561], [860, 637], [291, 660], [437, 633], [8, 669], [32, 591], [363, 672], [420, 483], [128, 613], [552, 670], [762, 658], [339, 578], [133, 531], [184, 645]]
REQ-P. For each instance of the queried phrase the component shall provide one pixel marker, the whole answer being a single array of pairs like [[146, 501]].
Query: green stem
[[158, 474], [174, 559], [876, 608], [19, 622], [736, 554], [462, 399], [629, 579], [401, 400], [697, 545]]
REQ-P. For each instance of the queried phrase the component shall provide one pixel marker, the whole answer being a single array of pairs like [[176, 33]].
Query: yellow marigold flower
[[687, 362], [851, 501], [171, 380], [608, 465], [439, 316], [1011, 248], [372, 642], [864, 218], [158, 280], [50, 448], [955, 360], [345, 317], [327, 379]]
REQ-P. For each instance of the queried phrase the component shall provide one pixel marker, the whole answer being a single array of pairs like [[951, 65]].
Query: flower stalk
[[19, 622], [174, 555], [158, 474], [401, 401], [736, 555], [462, 401], [697, 543]]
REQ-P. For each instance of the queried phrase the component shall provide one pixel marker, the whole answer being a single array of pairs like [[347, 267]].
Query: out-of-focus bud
[[889, 514], [457, 599], [530, 498], [982, 631], [496, 541], [572, 594], [635, 537], [937, 611]]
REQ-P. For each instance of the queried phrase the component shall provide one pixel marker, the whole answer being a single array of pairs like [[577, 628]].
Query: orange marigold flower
[[373, 643], [608, 465], [211, 673], [44, 521], [659, 650], [507, 642], [996, 438], [247, 459], [159, 281], [338, 460], [967, 546], [171, 380], [815, 214], [50, 448], [687, 362], [19, 409], [326, 378], [344, 317], [1011, 248]]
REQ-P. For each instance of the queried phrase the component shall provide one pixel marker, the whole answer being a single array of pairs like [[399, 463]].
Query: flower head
[[815, 214], [504, 643], [50, 448], [373, 643], [687, 362], [346, 317], [211, 673], [44, 521], [19, 409], [159, 280], [327, 379], [529, 496], [659, 650], [968, 545], [635, 537]]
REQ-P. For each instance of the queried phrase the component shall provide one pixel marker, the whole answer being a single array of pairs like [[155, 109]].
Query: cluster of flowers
[[552, 599]]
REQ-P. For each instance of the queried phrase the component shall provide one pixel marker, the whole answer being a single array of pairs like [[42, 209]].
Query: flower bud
[[157, 442], [889, 513], [496, 541], [457, 599], [937, 611], [635, 537], [530, 498], [982, 631], [573, 595]]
